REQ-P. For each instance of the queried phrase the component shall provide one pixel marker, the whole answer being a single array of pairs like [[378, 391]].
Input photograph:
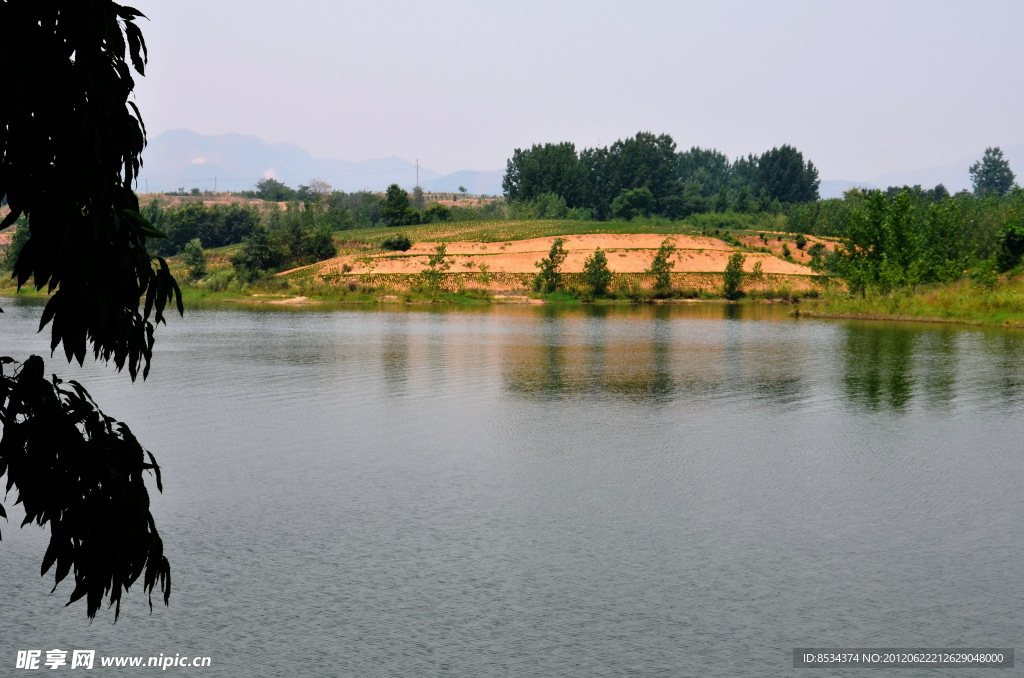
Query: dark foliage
[[70, 145], [399, 242], [80, 471]]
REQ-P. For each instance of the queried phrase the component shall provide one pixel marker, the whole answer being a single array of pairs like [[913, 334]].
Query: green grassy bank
[[964, 301]]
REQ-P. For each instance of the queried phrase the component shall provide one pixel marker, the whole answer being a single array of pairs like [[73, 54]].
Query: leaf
[[143, 225], [136, 47], [11, 217], [156, 470], [50, 556]]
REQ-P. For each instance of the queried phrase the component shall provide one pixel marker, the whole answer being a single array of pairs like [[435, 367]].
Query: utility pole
[[417, 171]]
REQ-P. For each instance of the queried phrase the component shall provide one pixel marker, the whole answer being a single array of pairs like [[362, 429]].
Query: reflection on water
[[878, 366], [584, 491], [889, 367]]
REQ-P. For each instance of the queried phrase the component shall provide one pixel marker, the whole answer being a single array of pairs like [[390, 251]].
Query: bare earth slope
[[627, 253]]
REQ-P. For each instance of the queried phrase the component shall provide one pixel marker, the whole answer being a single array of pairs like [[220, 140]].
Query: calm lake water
[[539, 491]]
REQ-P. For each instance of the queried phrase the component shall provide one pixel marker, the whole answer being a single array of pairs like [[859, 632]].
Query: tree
[[645, 161], [992, 174], [638, 202], [259, 252], [784, 175], [70, 147], [319, 190], [733, 277], [549, 279], [662, 265], [194, 258], [1010, 246], [273, 190], [394, 211], [707, 167], [596, 274], [551, 168], [437, 266]]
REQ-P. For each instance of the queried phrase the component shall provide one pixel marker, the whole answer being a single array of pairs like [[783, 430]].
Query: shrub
[[734, 276], [549, 279], [817, 252], [801, 241], [399, 242], [1009, 246], [437, 266], [484, 278], [596, 273], [661, 267], [194, 259]]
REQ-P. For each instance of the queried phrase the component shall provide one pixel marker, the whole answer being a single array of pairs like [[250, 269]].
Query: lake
[[686, 490]]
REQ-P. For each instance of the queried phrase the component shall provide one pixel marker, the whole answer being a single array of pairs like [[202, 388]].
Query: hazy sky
[[862, 88]]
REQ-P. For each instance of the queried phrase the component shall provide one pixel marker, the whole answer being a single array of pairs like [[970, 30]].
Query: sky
[[861, 88]]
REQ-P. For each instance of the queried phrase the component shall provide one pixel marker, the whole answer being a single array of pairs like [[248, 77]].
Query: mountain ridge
[[183, 159]]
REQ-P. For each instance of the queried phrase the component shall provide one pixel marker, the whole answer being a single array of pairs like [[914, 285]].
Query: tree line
[[905, 236], [645, 175]]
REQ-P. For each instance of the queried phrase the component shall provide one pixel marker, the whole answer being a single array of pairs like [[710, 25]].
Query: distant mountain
[[234, 162], [955, 176], [477, 183]]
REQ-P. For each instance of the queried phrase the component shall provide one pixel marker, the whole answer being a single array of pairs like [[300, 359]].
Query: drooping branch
[[80, 472]]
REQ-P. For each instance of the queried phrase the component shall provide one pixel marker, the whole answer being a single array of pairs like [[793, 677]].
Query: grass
[[497, 231], [221, 285], [963, 301]]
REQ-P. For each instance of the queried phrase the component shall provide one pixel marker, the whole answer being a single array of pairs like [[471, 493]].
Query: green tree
[[394, 211], [1011, 246], [437, 212], [70, 147], [707, 167], [274, 191], [662, 265], [784, 175], [437, 266], [259, 253], [992, 174], [318, 245], [645, 161], [733, 277], [638, 202], [551, 168], [549, 278], [194, 259], [596, 274]]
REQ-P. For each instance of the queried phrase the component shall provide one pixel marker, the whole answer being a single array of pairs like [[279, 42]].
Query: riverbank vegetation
[[904, 251]]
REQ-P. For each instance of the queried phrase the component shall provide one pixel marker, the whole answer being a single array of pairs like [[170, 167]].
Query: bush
[[734, 276], [596, 273], [194, 258], [437, 266], [399, 242], [661, 267], [1009, 246], [549, 279]]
